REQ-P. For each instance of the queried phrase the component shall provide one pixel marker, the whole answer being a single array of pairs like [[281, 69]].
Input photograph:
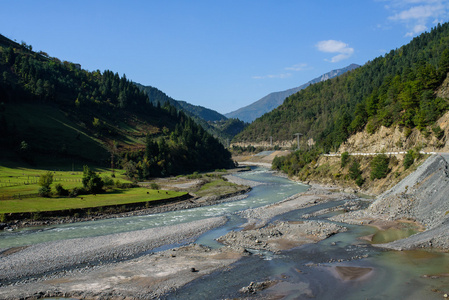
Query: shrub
[[439, 133], [108, 181], [77, 191], [408, 159], [359, 181], [92, 181], [3, 218], [407, 132], [356, 174], [44, 191], [60, 191], [195, 175], [36, 216], [379, 166], [154, 186], [344, 159], [354, 170], [45, 180]]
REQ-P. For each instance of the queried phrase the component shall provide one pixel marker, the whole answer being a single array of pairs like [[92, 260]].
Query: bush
[[60, 191], [77, 191], [359, 181], [3, 218], [92, 181], [36, 216], [439, 133], [344, 159], [44, 191], [154, 186], [195, 175], [379, 166], [45, 180], [354, 170], [408, 159], [356, 174], [108, 181]]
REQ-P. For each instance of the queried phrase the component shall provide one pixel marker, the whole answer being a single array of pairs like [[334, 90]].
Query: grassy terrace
[[19, 187]]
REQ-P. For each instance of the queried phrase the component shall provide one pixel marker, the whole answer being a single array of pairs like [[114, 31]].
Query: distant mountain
[[271, 101], [402, 88], [204, 113], [213, 122]]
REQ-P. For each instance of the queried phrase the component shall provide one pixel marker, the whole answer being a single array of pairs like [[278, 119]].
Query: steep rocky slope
[[421, 197]]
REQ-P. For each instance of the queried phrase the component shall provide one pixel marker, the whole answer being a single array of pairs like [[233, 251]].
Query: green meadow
[[19, 192]]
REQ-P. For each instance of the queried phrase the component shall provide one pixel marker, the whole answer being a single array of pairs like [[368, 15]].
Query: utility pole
[[297, 138], [271, 141]]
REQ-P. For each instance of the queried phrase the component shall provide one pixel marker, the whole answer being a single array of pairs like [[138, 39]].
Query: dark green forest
[[216, 124], [395, 89], [100, 108]]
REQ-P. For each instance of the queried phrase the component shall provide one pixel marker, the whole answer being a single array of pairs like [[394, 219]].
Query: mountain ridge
[[269, 102], [399, 88], [54, 112]]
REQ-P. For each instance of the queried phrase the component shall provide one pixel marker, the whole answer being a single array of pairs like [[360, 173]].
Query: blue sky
[[221, 54]]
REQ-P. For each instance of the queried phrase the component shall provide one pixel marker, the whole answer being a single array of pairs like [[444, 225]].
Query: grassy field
[[24, 181], [19, 188], [115, 197], [217, 187]]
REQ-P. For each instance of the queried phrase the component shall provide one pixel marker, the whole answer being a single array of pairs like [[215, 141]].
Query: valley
[[337, 189]]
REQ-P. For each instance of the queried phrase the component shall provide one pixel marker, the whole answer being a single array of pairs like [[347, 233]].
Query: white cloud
[[298, 67], [417, 15], [281, 76], [421, 12], [333, 46], [417, 29]]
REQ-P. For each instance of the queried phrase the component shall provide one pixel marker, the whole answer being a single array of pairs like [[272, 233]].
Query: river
[[301, 273]]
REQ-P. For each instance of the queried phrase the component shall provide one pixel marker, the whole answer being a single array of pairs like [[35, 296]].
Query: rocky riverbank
[[421, 197], [122, 266]]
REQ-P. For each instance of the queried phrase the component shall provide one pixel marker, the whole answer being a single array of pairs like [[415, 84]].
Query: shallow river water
[[309, 271]]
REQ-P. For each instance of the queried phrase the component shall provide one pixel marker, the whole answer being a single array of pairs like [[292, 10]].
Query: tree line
[[107, 106], [395, 89]]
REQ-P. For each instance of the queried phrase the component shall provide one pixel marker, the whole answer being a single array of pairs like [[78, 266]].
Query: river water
[[309, 271]]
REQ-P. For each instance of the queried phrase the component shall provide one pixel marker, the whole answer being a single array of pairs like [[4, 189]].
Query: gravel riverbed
[[40, 259]]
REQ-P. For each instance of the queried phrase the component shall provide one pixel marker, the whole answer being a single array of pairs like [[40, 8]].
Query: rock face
[[443, 90], [395, 139], [421, 196]]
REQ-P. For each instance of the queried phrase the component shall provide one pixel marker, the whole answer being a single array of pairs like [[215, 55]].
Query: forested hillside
[[271, 101], [215, 123], [395, 89], [58, 110]]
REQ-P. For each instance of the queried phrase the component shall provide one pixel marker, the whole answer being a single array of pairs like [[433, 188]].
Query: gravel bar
[[42, 259]]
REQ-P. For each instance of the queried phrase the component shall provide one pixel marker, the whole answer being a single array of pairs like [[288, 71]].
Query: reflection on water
[[310, 271], [393, 234]]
